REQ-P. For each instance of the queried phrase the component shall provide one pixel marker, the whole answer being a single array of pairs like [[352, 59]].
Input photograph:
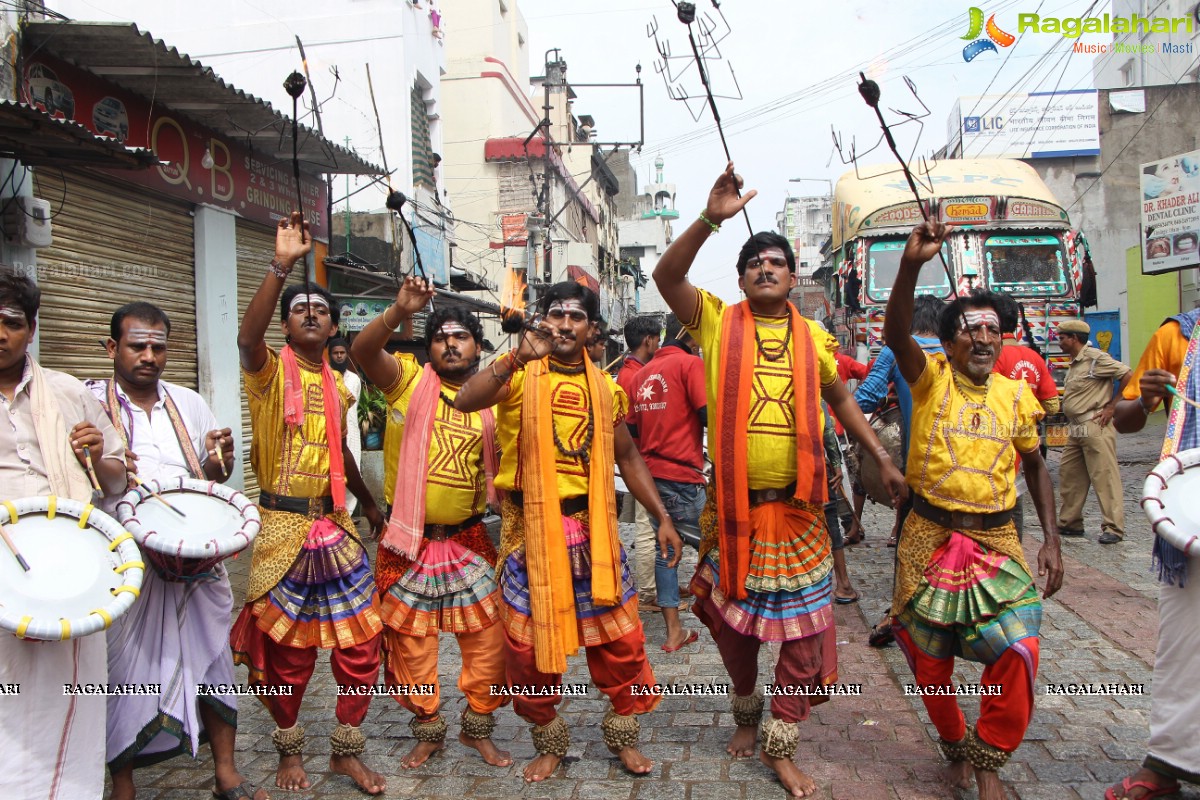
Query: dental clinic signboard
[[1033, 125], [1171, 213]]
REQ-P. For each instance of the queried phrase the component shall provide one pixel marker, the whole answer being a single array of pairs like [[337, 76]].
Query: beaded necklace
[[584, 451], [566, 369], [975, 420], [787, 340]]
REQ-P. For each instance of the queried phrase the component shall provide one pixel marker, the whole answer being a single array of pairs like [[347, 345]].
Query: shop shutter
[[255, 249], [113, 244]]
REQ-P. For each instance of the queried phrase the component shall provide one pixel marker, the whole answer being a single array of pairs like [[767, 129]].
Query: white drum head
[[1171, 500], [72, 571], [217, 522]]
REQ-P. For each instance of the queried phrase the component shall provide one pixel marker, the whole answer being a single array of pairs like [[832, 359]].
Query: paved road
[[1099, 629]]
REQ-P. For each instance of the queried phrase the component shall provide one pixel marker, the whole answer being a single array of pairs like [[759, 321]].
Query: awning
[[33, 137], [139, 63]]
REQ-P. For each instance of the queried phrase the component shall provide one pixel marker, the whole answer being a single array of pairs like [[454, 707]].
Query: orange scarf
[[293, 417], [551, 591], [735, 371]]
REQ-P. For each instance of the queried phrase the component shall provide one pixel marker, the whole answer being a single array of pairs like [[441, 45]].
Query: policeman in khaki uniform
[[1090, 456]]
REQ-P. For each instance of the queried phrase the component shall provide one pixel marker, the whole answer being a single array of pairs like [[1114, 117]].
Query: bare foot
[[796, 782], [420, 754], [1143, 775], [122, 785], [990, 787], [744, 741], [633, 760], [291, 776], [958, 774], [487, 748], [233, 779], [541, 767], [353, 768]]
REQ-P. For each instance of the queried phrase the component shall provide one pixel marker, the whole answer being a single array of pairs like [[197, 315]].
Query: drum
[[84, 569], [886, 425], [217, 522], [1168, 500]]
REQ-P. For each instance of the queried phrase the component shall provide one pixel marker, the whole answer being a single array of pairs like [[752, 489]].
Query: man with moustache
[[339, 360], [310, 584], [51, 741], [177, 634], [963, 587], [766, 561], [436, 562], [563, 576]]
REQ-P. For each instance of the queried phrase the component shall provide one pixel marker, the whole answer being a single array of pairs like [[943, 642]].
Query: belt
[[438, 532], [311, 507], [760, 496], [958, 520], [569, 507]]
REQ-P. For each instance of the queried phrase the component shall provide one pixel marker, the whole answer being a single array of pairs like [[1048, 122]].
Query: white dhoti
[[49, 737], [1175, 711], [176, 635]]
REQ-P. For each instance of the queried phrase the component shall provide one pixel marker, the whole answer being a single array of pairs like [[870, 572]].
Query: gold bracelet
[[395, 327]]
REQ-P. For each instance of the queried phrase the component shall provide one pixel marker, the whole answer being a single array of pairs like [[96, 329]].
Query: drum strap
[[114, 405]]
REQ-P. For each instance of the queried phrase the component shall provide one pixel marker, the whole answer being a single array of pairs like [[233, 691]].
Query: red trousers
[[616, 667], [274, 664], [1002, 719]]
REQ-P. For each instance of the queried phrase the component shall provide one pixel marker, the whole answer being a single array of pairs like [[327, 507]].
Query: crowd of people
[[538, 435]]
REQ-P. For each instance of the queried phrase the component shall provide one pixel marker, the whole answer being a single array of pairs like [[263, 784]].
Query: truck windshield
[[885, 265], [1025, 265]]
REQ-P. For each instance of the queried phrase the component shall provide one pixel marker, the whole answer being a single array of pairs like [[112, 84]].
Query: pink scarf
[[293, 417], [406, 527]]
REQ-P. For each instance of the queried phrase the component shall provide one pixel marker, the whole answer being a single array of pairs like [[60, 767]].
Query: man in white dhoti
[[177, 634], [48, 737], [1170, 360]]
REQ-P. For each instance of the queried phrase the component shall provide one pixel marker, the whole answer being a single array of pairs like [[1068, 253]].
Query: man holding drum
[[963, 588], [168, 431], [1169, 364], [50, 739], [310, 584], [436, 563]]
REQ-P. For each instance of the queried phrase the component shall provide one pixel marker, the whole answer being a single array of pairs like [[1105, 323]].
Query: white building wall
[[1114, 70]]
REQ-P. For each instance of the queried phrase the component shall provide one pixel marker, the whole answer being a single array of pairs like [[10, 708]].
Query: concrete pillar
[[217, 323], [18, 183]]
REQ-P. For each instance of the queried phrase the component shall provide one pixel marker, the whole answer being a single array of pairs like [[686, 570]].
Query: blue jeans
[[684, 502]]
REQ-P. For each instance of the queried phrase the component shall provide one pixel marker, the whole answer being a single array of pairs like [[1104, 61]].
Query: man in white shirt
[[177, 634]]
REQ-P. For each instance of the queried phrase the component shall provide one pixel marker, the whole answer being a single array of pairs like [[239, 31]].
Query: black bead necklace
[[787, 340]]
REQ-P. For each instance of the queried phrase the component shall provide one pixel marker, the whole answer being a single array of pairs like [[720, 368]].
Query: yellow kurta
[[569, 401], [456, 488], [966, 438], [771, 428]]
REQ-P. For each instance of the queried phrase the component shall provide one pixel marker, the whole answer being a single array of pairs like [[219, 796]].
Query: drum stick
[[220, 457], [13, 547], [91, 469], [841, 490], [157, 496], [1177, 393]]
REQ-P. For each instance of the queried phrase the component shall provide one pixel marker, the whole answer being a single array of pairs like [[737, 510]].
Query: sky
[[796, 65]]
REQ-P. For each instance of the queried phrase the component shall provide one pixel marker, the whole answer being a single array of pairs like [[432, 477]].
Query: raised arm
[[252, 347], [670, 273], [377, 364], [923, 244], [489, 386]]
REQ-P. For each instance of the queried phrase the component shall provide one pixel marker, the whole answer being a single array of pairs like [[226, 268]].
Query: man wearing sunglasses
[[766, 560]]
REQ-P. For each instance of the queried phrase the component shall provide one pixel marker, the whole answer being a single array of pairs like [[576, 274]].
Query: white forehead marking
[[567, 306], [8, 312], [451, 327], [151, 335], [984, 316], [309, 299]]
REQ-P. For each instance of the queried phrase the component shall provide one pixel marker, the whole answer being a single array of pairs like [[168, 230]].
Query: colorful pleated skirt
[[971, 603], [597, 624], [450, 587]]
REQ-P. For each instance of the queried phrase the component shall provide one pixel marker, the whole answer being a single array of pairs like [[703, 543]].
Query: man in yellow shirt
[[766, 559], [962, 585], [436, 563], [564, 577], [310, 584]]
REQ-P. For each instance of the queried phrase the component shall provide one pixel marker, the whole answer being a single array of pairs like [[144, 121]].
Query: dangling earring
[[287, 339]]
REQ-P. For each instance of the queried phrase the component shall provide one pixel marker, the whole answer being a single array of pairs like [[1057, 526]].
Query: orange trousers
[[1002, 719], [616, 667], [413, 661]]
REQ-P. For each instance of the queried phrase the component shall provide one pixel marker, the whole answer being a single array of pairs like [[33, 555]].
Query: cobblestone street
[[1099, 629]]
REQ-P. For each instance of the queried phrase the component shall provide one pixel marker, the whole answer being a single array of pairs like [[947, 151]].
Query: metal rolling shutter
[[255, 249], [113, 244]]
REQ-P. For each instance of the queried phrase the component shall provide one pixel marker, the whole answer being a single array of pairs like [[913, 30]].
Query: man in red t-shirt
[[642, 335], [667, 413]]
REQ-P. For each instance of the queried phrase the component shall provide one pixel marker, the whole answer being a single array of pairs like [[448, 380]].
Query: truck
[[1011, 235]]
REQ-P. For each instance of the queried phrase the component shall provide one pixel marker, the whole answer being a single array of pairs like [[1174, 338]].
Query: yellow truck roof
[[968, 192]]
